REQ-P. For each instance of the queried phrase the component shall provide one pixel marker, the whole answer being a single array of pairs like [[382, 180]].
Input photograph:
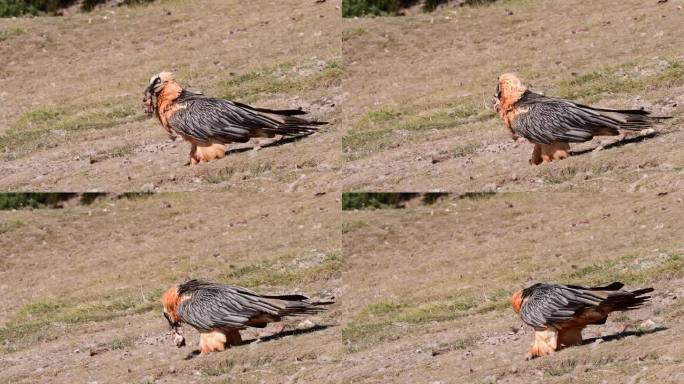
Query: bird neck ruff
[[170, 301], [511, 90], [516, 300]]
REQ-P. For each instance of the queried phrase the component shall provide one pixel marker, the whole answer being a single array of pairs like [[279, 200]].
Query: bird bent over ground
[[209, 123], [551, 124], [219, 311], [558, 312]]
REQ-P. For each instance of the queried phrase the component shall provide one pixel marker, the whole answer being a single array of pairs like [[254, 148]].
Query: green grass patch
[[33, 322], [10, 33], [387, 128], [374, 200], [464, 150], [285, 272], [20, 200], [10, 8], [251, 86], [349, 34], [361, 8], [349, 226], [121, 343], [49, 126], [10, 225], [624, 79], [627, 270], [372, 324]]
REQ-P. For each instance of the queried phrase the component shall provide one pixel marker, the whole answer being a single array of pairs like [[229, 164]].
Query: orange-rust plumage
[[558, 312], [551, 124], [516, 300], [220, 311], [209, 124]]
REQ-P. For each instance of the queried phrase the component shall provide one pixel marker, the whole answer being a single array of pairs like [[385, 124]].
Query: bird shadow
[[622, 335], [617, 144], [276, 336], [284, 140]]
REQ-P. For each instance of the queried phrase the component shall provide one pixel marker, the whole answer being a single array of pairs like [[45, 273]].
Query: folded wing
[[207, 119], [216, 306], [544, 120]]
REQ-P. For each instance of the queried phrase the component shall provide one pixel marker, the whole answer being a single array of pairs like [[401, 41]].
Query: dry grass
[[431, 285], [424, 88], [68, 111], [97, 273]]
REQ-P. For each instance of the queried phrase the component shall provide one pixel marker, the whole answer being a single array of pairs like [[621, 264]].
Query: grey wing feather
[[546, 304], [215, 306], [549, 119], [209, 119], [223, 306]]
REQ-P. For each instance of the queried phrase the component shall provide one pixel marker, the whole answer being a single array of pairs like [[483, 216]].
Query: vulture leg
[[545, 343], [212, 342], [536, 155]]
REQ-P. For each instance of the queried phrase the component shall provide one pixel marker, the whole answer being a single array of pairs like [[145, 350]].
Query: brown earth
[[431, 287], [71, 115], [421, 118], [81, 286]]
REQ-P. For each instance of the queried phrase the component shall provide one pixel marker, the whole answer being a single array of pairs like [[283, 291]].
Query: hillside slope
[[422, 115], [81, 286], [432, 286], [70, 108]]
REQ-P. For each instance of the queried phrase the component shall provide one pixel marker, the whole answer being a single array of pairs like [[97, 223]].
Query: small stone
[[647, 325]]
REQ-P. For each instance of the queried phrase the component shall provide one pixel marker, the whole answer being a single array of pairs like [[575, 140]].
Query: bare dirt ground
[[421, 115], [81, 286], [71, 117], [431, 287]]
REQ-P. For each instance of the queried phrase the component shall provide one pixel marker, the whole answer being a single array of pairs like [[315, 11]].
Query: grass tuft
[[623, 79], [373, 323], [253, 85], [50, 126], [10, 33], [34, 321], [387, 128], [628, 270], [285, 271]]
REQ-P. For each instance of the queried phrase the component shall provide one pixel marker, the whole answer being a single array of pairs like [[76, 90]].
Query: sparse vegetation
[[32, 200], [284, 78], [371, 324], [48, 126], [9, 8], [628, 78], [285, 272], [349, 34], [10, 33], [355, 8], [374, 200], [350, 226], [628, 270], [385, 128]]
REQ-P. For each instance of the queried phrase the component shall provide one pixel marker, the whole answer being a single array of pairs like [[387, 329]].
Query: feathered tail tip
[[630, 300], [323, 301], [631, 119], [297, 305]]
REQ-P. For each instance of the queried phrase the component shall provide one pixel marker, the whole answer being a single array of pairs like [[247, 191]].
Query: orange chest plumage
[[167, 106]]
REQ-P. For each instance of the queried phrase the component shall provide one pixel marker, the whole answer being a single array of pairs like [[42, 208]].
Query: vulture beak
[[172, 324], [149, 100]]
